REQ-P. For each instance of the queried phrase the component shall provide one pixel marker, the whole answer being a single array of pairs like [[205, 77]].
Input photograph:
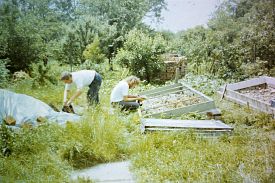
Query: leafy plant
[[141, 53], [237, 43], [207, 84], [4, 73], [42, 75], [93, 53], [7, 140]]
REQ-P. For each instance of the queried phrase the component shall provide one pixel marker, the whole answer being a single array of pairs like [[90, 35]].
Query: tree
[[141, 53], [84, 33], [93, 52], [239, 42], [123, 14], [27, 26]]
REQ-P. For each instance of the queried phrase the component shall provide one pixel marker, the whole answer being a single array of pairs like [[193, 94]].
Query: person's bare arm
[[66, 94], [75, 95], [131, 98]]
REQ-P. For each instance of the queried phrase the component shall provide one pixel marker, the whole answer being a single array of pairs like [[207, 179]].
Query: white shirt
[[119, 91], [80, 79]]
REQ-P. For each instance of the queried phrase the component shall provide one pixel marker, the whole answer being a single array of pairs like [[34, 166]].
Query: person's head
[[132, 81], [66, 77]]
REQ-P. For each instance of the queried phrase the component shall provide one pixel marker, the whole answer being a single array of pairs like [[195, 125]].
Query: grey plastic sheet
[[27, 109]]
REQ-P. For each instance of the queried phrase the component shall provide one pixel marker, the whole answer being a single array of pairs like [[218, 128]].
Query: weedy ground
[[49, 152]]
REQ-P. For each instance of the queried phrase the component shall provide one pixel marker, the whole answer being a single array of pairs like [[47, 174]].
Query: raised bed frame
[[205, 106], [230, 92], [205, 128]]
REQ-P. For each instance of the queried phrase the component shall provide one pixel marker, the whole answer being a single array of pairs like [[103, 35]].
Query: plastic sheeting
[[26, 109]]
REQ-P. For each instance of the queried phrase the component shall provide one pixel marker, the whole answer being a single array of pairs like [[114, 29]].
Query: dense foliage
[[141, 53], [239, 42], [31, 29], [3, 73], [50, 152]]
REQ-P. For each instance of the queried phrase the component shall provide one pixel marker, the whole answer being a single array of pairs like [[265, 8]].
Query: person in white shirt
[[120, 94], [82, 78]]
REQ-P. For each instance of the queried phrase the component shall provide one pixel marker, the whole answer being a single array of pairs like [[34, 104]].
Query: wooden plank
[[194, 124], [177, 75], [255, 104], [160, 89], [242, 99], [198, 107], [186, 129], [270, 81], [208, 134], [214, 114], [201, 107], [161, 94], [246, 84]]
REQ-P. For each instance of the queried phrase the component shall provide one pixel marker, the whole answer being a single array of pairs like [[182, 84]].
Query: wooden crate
[[232, 93], [202, 127], [205, 103]]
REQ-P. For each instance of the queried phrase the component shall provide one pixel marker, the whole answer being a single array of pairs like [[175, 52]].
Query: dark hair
[[65, 75]]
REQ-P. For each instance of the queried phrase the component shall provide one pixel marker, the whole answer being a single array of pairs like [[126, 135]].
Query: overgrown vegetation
[[238, 44], [246, 155], [4, 73], [141, 53]]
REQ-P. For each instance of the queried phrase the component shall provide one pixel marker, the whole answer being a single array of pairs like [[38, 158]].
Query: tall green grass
[[179, 157], [34, 156], [100, 137], [49, 153], [245, 156]]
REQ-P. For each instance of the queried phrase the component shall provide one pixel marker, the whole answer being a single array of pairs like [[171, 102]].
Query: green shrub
[[102, 68], [7, 140], [93, 52], [4, 72], [141, 53], [43, 75], [204, 83]]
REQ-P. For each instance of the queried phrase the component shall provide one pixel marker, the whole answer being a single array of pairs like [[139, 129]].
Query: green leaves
[[3, 72], [93, 52], [239, 42], [141, 54]]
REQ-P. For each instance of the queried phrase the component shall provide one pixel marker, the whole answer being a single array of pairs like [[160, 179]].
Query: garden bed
[[165, 103], [175, 100], [256, 93]]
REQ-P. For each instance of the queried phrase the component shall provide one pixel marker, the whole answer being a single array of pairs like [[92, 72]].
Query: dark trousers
[[92, 94], [127, 106]]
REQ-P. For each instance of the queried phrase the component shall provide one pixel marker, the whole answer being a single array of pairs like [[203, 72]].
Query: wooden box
[[257, 93]]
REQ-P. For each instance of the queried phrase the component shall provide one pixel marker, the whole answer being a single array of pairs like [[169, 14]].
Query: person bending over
[[82, 78], [120, 94]]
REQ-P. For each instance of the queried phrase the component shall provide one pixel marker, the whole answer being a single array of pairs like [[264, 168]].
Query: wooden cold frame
[[201, 127], [205, 106], [231, 93]]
